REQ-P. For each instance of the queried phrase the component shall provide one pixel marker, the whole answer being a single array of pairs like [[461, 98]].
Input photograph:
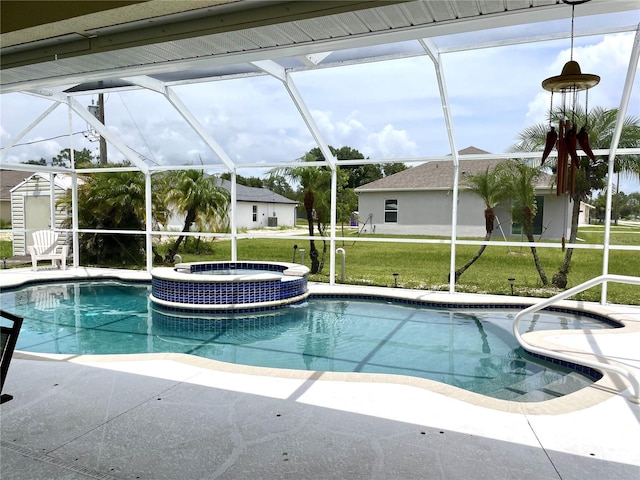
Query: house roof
[[253, 194], [438, 175], [8, 180]]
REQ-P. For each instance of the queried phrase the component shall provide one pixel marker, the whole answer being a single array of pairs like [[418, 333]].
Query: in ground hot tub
[[228, 287]]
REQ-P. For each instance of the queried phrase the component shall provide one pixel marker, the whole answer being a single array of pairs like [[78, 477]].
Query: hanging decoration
[[567, 137]]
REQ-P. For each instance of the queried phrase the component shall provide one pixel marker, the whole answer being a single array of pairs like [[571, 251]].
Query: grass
[[620, 234], [6, 249], [426, 266]]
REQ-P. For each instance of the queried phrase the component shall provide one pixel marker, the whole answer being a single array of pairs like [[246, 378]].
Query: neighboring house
[[31, 207], [255, 208], [418, 201], [8, 180], [585, 213], [260, 207]]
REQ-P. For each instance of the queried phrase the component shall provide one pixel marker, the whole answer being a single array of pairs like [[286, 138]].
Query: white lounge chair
[[45, 247]]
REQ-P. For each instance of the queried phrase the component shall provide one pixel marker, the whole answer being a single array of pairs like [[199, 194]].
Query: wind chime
[[567, 137]]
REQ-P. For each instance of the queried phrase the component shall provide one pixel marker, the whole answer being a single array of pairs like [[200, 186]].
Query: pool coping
[[572, 342]]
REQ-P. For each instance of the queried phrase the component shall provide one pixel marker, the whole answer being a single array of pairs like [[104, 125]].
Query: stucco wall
[[5, 210], [285, 214], [429, 213], [556, 219]]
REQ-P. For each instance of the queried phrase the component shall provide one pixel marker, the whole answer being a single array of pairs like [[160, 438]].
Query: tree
[[310, 179], [110, 201], [391, 168], [633, 200], [519, 180], [363, 174], [590, 175], [278, 184], [489, 187], [254, 182], [199, 198], [42, 161], [82, 158], [628, 205], [315, 192]]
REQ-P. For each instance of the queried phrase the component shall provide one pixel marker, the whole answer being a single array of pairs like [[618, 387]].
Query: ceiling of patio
[[91, 45]]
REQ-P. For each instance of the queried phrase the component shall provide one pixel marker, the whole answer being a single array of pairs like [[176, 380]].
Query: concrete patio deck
[[170, 416]]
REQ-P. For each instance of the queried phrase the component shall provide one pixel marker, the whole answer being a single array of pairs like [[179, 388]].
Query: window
[[255, 213], [516, 228], [391, 211]]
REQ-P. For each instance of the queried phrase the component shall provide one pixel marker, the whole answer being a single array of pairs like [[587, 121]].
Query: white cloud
[[390, 143], [352, 132], [350, 126], [539, 109], [607, 58]]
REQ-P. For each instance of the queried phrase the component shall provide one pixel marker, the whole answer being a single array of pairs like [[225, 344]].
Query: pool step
[[515, 387], [514, 384], [563, 386], [542, 386]]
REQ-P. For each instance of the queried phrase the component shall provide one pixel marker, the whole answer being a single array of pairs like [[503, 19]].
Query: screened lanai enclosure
[[244, 87]]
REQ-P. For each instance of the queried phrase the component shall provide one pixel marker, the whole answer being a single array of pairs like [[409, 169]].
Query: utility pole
[[103, 142]]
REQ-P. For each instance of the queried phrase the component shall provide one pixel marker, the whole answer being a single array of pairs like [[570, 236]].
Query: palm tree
[[519, 179], [309, 179], [488, 186], [590, 176], [111, 201], [196, 196]]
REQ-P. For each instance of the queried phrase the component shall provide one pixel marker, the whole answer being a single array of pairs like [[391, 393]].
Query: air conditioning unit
[[272, 221]]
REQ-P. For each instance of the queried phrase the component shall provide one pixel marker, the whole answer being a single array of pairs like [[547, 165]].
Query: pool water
[[471, 349], [236, 271]]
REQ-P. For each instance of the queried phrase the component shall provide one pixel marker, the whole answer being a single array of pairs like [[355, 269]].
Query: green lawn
[[620, 234], [6, 249], [426, 266]]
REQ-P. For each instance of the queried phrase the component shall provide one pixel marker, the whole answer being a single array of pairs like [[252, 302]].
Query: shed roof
[[62, 181], [438, 175]]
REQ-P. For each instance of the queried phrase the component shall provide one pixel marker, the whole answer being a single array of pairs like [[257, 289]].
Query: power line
[[124, 104], [50, 138]]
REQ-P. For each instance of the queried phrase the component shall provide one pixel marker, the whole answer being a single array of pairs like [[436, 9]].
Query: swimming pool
[[471, 349]]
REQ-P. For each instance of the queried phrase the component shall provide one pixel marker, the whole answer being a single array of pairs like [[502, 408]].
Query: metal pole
[[622, 112], [232, 216], [149, 220], [430, 47], [103, 141]]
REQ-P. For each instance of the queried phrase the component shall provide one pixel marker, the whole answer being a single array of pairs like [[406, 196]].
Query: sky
[[388, 109]]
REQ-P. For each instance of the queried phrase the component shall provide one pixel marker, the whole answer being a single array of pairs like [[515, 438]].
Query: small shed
[[33, 208]]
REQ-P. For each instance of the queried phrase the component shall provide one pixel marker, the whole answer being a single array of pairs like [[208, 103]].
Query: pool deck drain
[[164, 416]]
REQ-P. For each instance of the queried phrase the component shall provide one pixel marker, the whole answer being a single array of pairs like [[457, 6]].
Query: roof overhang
[[99, 43]]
